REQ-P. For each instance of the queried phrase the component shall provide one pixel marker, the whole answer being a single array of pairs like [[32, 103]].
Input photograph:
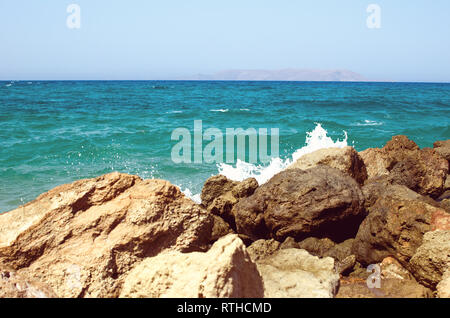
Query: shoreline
[[333, 212]]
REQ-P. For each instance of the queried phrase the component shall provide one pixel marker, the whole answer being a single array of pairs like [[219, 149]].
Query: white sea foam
[[315, 140], [244, 109], [369, 123], [175, 112], [194, 197], [219, 110]]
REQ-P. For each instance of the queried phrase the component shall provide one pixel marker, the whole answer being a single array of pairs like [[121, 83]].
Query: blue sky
[[150, 39]]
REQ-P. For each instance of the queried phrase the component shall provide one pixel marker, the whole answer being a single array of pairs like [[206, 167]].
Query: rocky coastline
[[336, 223]]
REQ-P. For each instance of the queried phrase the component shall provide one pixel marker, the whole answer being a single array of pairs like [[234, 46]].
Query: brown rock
[[402, 162], [346, 265], [432, 258], [379, 187], [320, 201], [220, 194], [289, 242], [226, 270], [443, 148], [341, 251], [389, 288], [215, 187], [325, 247], [82, 238], [394, 227], [345, 159], [317, 246], [220, 228], [444, 200], [262, 248]]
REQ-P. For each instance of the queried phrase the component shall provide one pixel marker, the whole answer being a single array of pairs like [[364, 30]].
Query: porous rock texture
[[395, 227], [442, 147], [432, 258], [401, 161]]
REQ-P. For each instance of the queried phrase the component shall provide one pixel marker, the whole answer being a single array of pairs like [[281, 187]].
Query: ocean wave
[[175, 112], [194, 197], [369, 123], [244, 109], [316, 139], [219, 110]]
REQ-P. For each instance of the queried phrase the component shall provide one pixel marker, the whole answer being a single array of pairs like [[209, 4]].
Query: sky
[[167, 39]]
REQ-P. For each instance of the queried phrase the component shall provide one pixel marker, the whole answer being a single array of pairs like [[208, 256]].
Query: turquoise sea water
[[57, 132]]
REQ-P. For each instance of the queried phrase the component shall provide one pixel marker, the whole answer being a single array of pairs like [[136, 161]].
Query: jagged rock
[[324, 247], [394, 227], [380, 186], [316, 246], [214, 187], [226, 270], [295, 273], [432, 258], [82, 238], [220, 228], [300, 203], [444, 199], [341, 251], [389, 288], [443, 288], [346, 265], [289, 242], [447, 183], [219, 195], [443, 148], [13, 285], [245, 188], [345, 159], [402, 162], [262, 248]]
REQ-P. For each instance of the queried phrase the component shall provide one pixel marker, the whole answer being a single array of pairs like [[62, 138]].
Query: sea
[[56, 132]]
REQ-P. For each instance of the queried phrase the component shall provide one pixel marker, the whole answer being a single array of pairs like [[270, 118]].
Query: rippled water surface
[[57, 132]]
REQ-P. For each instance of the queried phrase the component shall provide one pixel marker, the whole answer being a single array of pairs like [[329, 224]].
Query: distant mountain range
[[282, 75]]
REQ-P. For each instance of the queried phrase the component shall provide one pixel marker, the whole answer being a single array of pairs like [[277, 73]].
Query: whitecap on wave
[[219, 110], [194, 197], [369, 123], [316, 139]]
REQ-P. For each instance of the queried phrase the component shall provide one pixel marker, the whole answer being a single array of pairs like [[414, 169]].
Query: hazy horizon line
[[214, 80]]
